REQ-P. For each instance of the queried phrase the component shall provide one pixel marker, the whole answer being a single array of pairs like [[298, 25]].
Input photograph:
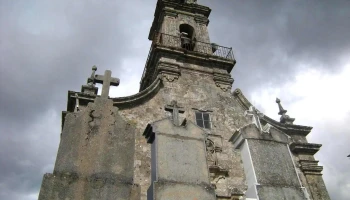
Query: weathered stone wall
[[171, 25], [94, 160], [197, 83], [192, 90]]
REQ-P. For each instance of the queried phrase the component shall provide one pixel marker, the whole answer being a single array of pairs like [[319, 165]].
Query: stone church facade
[[185, 135]]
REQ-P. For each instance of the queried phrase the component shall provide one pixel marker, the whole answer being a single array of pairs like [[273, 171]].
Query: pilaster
[[310, 169]]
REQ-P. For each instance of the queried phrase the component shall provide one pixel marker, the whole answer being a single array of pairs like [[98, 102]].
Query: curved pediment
[[136, 99], [289, 129]]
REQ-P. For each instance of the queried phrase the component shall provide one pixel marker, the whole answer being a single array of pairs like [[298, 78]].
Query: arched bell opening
[[187, 37]]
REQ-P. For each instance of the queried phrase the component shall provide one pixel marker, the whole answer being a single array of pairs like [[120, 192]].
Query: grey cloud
[[40, 67], [270, 38], [48, 47]]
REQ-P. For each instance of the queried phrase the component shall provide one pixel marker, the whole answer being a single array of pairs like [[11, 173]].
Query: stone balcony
[[182, 42], [184, 45]]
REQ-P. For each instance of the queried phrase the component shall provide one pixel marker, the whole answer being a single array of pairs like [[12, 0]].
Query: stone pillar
[[268, 164], [95, 157], [310, 168], [179, 167]]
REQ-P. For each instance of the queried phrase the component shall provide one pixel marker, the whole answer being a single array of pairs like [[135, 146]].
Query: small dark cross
[[107, 80], [175, 109]]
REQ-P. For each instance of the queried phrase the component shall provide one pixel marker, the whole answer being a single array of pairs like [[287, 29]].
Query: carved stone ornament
[[223, 81], [211, 152], [170, 77], [168, 71], [224, 87]]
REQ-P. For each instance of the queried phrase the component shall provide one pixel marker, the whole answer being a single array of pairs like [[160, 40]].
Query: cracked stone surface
[[93, 161]]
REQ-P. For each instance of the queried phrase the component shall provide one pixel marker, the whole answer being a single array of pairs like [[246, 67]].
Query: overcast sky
[[293, 49]]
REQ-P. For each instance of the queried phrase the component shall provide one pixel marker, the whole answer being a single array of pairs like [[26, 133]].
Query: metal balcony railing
[[183, 42]]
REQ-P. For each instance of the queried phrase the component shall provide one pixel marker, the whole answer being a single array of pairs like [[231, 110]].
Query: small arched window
[[187, 37]]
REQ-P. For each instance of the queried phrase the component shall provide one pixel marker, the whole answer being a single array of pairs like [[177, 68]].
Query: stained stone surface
[[193, 91], [102, 149], [273, 163], [269, 164], [93, 160], [276, 193], [172, 191], [179, 167]]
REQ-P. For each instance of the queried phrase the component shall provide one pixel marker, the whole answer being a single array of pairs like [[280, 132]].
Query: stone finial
[[91, 80], [90, 88], [285, 119]]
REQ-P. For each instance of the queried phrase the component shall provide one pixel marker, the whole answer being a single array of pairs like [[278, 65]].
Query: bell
[[185, 41]]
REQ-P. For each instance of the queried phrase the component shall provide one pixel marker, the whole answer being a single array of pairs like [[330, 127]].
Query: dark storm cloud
[[43, 56], [48, 47], [275, 40], [270, 38]]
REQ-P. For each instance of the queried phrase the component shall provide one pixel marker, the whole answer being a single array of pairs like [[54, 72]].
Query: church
[[187, 134]]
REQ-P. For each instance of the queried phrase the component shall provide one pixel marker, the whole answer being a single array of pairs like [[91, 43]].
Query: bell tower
[[185, 135], [180, 40]]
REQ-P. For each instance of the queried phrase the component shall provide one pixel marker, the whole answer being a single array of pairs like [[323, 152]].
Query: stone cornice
[[136, 99], [201, 19], [305, 148], [289, 129], [310, 167], [169, 12]]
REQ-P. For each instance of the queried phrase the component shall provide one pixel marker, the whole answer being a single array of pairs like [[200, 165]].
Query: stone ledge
[[310, 167], [305, 148]]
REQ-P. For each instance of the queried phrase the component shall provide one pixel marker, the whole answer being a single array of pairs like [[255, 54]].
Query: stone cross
[[76, 102], [107, 80], [175, 109], [255, 117]]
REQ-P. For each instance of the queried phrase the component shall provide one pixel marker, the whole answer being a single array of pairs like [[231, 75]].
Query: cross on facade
[[107, 80], [255, 114], [76, 102], [175, 109]]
